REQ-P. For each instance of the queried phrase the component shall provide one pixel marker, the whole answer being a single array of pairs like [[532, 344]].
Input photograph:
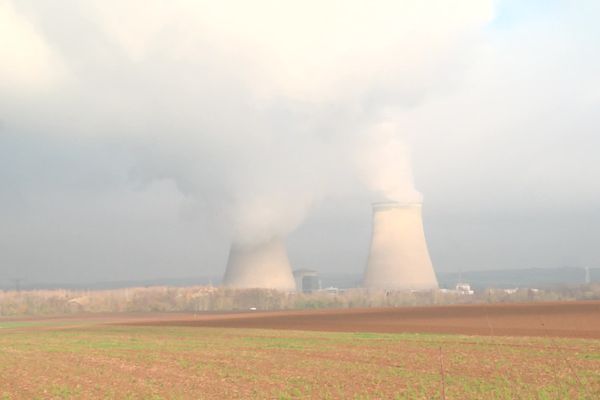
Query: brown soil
[[557, 319], [87, 357]]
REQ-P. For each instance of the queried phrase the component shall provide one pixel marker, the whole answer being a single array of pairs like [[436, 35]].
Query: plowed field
[[565, 319], [216, 356]]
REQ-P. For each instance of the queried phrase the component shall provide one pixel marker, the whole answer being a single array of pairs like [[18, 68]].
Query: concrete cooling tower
[[263, 265], [398, 257]]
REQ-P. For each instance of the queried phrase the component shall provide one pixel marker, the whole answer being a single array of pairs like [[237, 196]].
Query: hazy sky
[[139, 138]]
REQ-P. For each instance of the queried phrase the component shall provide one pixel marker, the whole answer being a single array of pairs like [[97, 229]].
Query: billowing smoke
[[257, 110], [383, 161]]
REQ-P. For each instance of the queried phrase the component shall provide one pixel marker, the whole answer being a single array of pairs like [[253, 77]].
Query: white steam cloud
[[257, 110], [384, 165]]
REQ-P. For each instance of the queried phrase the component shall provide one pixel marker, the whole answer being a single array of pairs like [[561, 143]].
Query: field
[[558, 319], [225, 356]]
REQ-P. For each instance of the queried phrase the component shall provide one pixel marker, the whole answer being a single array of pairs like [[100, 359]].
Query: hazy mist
[[138, 139]]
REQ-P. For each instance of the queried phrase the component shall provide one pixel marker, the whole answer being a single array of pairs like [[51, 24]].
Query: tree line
[[209, 298]]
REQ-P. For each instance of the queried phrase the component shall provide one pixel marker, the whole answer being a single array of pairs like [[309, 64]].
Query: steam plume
[[256, 110]]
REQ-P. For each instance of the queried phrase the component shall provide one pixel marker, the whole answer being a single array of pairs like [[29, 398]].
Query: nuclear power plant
[[263, 265], [398, 257]]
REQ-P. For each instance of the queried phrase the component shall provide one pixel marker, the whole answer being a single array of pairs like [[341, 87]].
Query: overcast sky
[[138, 139]]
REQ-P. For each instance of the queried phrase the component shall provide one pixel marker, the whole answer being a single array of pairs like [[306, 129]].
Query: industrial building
[[307, 280], [263, 265], [398, 256]]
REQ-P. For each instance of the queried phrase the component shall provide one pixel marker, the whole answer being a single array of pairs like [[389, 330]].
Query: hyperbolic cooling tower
[[263, 265], [398, 258]]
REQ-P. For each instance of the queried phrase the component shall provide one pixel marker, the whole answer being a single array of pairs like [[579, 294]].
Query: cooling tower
[[398, 257], [263, 265]]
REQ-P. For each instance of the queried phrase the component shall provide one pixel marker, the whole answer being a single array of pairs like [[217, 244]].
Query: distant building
[[333, 290], [464, 288], [307, 280], [588, 278], [460, 288]]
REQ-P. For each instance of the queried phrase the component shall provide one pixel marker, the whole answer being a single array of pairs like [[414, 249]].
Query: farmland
[[558, 319], [156, 356]]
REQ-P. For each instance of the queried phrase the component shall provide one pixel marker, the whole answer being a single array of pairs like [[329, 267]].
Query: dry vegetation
[[208, 298]]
